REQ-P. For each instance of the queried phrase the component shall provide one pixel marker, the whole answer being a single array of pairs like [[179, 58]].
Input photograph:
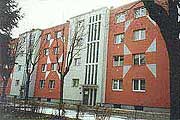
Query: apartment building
[[47, 86], [137, 61], [8, 52], [86, 79], [26, 41]]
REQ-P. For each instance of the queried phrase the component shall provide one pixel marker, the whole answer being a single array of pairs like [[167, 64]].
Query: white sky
[[47, 13]]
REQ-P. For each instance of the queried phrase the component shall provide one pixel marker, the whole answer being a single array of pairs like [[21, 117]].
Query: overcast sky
[[47, 13]]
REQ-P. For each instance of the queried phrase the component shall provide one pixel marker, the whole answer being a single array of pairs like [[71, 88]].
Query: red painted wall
[[157, 92], [47, 92]]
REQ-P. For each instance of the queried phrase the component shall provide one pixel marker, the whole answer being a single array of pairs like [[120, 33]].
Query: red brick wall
[[157, 92], [47, 92]]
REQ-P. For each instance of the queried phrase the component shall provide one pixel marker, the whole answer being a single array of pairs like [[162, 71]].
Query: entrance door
[[85, 96]]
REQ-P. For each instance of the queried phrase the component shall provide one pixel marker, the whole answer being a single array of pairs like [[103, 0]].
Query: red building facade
[[47, 84], [137, 60]]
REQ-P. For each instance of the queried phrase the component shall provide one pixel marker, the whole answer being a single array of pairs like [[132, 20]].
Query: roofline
[[93, 10]]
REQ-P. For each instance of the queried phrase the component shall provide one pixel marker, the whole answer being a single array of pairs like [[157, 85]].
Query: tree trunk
[[3, 97], [165, 14]]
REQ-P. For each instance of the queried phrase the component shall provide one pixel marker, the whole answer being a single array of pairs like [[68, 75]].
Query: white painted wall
[[78, 72], [20, 60]]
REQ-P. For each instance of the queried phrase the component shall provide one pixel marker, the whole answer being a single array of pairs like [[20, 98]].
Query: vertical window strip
[[87, 55], [86, 74], [89, 33], [95, 31], [99, 28], [96, 74], [90, 52], [92, 75], [94, 49], [89, 74], [92, 31], [97, 50]]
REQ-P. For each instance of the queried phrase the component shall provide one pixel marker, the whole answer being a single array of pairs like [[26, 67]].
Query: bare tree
[[31, 47], [70, 48]]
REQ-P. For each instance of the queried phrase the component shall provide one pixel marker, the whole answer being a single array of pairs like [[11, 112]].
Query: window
[[139, 59], [139, 34], [44, 66], [51, 84], [119, 38], [48, 37], [46, 51], [118, 61], [75, 82], [55, 50], [16, 82], [42, 83], [139, 85], [54, 66], [77, 61], [120, 17], [140, 12], [19, 67], [117, 85], [58, 34]]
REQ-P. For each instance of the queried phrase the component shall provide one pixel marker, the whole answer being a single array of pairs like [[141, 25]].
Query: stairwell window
[[140, 34], [118, 60], [51, 84], [120, 17], [119, 38], [139, 59], [140, 12], [41, 83], [43, 67], [117, 85], [139, 85]]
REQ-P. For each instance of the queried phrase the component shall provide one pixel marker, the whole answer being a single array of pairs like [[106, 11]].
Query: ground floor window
[[139, 85], [117, 84]]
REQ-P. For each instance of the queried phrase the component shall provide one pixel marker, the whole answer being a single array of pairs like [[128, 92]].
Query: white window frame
[[140, 12], [119, 81], [121, 17], [139, 59], [118, 63], [55, 50], [139, 85], [46, 51], [54, 66], [119, 38], [58, 34], [48, 37], [139, 34], [43, 84], [51, 86], [43, 67]]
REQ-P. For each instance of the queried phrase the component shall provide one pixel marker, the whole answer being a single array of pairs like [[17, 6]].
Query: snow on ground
[[72, 114]]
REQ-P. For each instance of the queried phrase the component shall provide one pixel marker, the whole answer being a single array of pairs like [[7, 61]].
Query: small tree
[[70, 48]]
